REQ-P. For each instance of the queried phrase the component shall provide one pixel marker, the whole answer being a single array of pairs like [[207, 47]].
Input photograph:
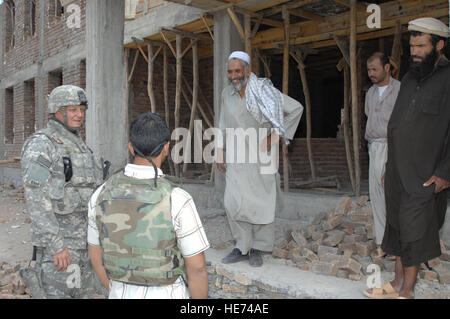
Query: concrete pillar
[[2, 99], [226, 40], [106, 117], [40, 105]]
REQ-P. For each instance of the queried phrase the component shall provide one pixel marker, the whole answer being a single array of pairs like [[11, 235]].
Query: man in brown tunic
[[418, 165]]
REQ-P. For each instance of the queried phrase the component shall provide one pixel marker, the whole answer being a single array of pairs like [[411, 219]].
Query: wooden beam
[[343, 44], [346, 126], [289, 6], [273, 23], [339, 24], [354, 86], [207, 26], [184, 34], [396, 54], [136, 56], [347, 3], [286, 19], [301, 67], [150, 90], [307, 15]]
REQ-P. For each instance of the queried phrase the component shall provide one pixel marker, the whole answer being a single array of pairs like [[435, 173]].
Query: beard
[[238, 86], [425, 67]]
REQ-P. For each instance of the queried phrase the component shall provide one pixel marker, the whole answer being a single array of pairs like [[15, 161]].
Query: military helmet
[[66, 95]]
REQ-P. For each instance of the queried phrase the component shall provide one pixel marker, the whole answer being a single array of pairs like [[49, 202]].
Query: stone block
[[299, 238], [318, 218], [318, 235], [309, 231], [351, 265], [292, 244], [342, 274], [334, 237], [283, 244], [370, 231], [324, 268], [364, 249], [296, 256], [323, 250], [280, 253], [221, 271], [360, 230], [354, 277], [242, 280], [343, 206], [310, 255], [353, 239], [434, 263], [348, 223], [348, 252], [305, 266], [333, 222], [314, 246], [234, 289], [346, 246], [333, 259], [363, 200], [445, 255], [348, 231], [428, 275]]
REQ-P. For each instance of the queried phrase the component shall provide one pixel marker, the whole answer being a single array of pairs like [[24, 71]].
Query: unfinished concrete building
[[169, 57]]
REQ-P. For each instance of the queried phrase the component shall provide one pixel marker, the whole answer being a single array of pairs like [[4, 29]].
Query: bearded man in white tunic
[[254, 107]]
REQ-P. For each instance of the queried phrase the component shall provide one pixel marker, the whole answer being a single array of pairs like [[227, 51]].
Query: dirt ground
[[15, 243]]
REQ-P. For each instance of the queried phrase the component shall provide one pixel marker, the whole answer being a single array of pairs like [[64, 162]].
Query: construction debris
[[341, 243], [11, 284]]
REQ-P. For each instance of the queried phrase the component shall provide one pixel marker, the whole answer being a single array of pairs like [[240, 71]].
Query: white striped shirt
[[191, 239]]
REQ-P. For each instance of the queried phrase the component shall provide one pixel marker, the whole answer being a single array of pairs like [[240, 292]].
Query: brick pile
[[341, 243], [11, 284]]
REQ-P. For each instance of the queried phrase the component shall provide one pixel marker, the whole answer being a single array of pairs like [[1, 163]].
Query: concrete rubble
[[341, 243], [11, 284]]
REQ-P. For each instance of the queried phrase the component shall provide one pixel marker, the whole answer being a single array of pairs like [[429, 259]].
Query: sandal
[[384, 292]]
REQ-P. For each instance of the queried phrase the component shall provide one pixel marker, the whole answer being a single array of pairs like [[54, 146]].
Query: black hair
[[384, 59], [434, 38], [148, 135]]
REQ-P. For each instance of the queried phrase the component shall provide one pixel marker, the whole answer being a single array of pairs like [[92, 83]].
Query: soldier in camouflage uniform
[[145, 237], [59, 175]]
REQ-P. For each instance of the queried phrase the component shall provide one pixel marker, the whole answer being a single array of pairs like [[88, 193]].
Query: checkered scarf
[[265, 103]]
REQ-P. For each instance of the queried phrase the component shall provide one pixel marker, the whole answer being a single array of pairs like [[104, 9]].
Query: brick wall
[[329, 159]]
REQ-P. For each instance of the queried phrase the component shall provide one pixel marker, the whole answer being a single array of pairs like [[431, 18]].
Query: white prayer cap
[[240, 55], [429, 25]]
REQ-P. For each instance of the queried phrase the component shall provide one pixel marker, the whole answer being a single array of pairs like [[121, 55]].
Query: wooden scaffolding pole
[[150, 91], [285, 91], [166, 100], [194, 102], [179, 69], [346, 124], [300, 58], [354, 85], [396, 54], [248, 35]]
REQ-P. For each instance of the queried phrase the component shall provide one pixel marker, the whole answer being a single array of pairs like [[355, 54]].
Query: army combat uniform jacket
[[57, 193]]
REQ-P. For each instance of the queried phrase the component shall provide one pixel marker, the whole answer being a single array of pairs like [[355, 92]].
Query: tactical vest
[[87, 175], [136, 231]]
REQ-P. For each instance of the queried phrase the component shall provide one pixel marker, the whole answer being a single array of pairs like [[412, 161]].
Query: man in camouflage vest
[[145, 237], [59, 176]]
